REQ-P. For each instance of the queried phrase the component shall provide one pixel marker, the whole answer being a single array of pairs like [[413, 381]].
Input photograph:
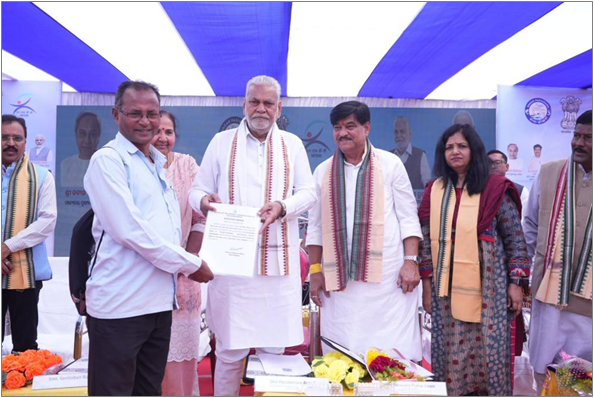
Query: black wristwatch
[[516, 281]]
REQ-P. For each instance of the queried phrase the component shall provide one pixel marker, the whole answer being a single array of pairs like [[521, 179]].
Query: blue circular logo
[[230, 123], [537, 111]]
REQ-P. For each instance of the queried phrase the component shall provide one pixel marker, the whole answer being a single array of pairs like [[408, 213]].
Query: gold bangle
[[315, 268]]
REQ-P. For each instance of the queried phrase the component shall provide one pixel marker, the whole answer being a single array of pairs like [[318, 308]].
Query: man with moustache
[[28, 217], [257, 165], [558, 229], [131, 291], [366, 229]]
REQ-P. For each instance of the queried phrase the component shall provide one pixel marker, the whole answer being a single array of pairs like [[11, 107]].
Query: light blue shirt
[[140, 255]]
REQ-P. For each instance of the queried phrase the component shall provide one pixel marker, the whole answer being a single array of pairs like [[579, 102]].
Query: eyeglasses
[[15, 138], [497, 162], [138, 115]]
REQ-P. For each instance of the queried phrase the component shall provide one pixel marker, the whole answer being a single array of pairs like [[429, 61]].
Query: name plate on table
[[424, 388], [67, 380], [286, 383]]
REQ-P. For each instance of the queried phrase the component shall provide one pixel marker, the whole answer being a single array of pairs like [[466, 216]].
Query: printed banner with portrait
[[409, 132], [35, 102], [535, 125]]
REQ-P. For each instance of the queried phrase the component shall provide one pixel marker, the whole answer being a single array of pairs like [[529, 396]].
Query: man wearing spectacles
[[500, 166], [28, 217], [132, 289]]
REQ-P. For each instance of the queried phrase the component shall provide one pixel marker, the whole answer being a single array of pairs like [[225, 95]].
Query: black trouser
[[128, 356], [24, 317]]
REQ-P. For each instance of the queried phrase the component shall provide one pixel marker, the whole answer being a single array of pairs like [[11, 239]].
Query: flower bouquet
[[339, 369], [384, 367], [18, 369], [574, 375]]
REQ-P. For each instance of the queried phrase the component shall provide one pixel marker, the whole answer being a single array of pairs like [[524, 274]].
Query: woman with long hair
[[473, 257]]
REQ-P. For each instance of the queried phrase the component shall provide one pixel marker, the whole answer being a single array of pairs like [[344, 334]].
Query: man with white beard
[[257, 165]]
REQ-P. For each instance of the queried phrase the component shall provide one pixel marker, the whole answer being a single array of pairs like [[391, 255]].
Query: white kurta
[[372, 314], [258, 311]]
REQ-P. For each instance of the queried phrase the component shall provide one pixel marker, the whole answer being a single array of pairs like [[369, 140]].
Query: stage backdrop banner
[[36, 102], [535, 125], [83, 129]]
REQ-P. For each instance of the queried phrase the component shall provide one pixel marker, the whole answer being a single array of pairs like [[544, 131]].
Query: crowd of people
[[468, 247]]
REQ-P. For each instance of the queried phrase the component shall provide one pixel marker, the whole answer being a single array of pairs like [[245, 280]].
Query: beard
[[261, 126]]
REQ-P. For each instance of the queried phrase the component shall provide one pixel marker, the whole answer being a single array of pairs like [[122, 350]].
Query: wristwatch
[[414, 258], [516, 281], [283, 209]]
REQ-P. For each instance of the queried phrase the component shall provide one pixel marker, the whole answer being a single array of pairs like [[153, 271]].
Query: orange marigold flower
[[14, 380], [34, 369], [14, 363]]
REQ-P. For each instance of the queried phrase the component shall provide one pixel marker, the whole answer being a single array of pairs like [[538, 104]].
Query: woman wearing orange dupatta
[[473, 254]]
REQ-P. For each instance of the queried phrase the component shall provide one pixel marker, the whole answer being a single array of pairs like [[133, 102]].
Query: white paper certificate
[[231, 239]]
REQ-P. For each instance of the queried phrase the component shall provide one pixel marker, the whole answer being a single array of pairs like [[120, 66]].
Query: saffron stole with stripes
[[275, 187], [21, 209], [466, 293], [558, 281], [364, 263]]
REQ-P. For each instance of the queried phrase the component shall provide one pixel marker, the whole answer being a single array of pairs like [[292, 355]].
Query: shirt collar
[[128, 146], [407, 150], [249, 134], [10, 167], [585, 175], [362, 157]]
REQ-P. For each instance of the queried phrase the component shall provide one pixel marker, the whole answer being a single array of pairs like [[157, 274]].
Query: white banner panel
[[535, 125], [36, 102]]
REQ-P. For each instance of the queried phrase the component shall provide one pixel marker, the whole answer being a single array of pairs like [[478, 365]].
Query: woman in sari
[[473, 257], [181, 372]]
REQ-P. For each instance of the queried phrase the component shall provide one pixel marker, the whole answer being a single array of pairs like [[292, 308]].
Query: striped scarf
[[466, 292], [365, 260], [276, 187], [21, 209], [558, 281]]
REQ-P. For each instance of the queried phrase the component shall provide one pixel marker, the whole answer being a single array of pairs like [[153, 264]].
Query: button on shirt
[[140, 255]]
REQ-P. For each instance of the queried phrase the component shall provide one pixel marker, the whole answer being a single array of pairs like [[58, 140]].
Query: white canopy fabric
[[439, 51]]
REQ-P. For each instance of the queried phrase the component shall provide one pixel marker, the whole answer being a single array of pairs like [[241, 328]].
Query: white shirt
[[140, 255], [258, 311], [535, 163], [516, 166], [72, 171], [364, 314], [50, 155], [425, 169], [400, 206], [47, 214]]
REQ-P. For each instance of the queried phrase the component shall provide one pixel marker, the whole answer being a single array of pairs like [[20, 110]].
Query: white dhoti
[[373, 314], [552, 330]]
